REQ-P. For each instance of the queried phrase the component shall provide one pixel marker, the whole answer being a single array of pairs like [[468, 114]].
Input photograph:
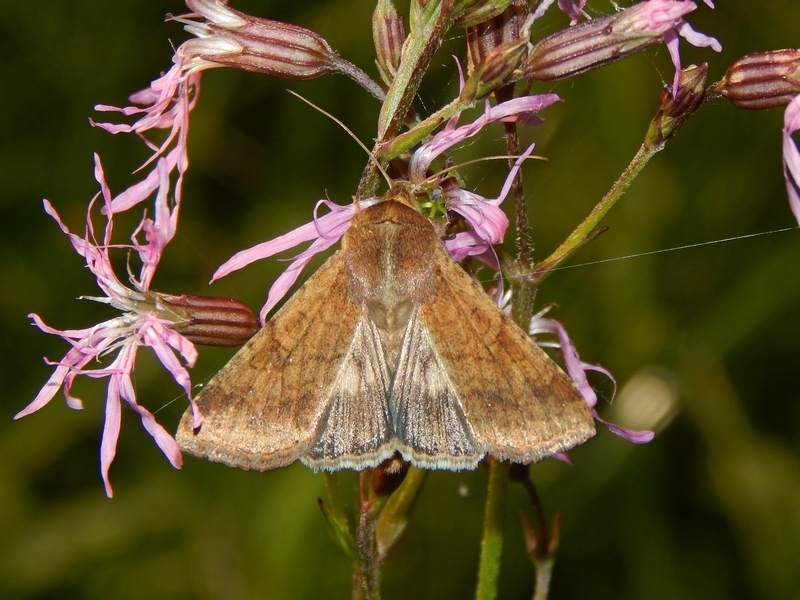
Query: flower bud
[[676, 108], [762, 80], [495, 69], [603, 40], [389, 35], [488, 35], [482, 11], [209, 321], [423, 14], [232, 38]]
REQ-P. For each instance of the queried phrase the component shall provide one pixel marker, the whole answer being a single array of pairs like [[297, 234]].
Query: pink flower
[[325, 231], [791, 156], [577, 371], [487, 219], [144, 322], [597, 42], [519, 110], [166, 104]]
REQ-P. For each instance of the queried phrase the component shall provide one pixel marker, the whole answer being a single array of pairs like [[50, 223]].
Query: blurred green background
[[710, 509]]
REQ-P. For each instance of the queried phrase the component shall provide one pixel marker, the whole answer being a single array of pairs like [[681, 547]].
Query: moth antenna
[[433, 177], [350, 133]]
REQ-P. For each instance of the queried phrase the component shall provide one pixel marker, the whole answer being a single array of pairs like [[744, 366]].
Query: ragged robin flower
[[145, 321], [486, 219]]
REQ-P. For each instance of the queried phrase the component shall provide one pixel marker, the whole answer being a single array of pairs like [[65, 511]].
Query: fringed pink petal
[[142, 190], [577, 372], [572, 10], [163, 439], [636, 437], [111, 426], [519, 109], [162, 340], [325, 231], [791, 156], [695, 38], [326, 225]]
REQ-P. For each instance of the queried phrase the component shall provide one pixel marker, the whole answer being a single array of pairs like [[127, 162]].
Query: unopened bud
[[762, 80], [677, 107], [389, 35], [488, 35], [495, 70], [232, 38], [210, 321], [423, 14], [603, 40], [482, 11]]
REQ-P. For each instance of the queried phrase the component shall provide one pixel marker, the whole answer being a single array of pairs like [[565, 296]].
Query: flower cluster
[[501, 53], [144, 322]]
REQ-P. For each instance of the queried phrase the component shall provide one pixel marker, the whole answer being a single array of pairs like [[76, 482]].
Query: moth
[[389, 347]]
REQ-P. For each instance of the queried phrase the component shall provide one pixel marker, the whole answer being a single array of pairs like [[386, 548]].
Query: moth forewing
[[263, 409], [519, 404], [389, 347]]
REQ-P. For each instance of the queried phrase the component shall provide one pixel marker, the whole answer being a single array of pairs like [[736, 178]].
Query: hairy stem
[[585, 229], [366, 581], [361, 78], [524, 290], [544, 572], [335, 497], [427, 29], [492, 541]]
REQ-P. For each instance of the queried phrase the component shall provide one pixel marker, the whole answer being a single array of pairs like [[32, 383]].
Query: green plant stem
[[394, 147], [361, 78], [584, 231], [366, 581], [492, 541], [386, 151], [394, 517], [544, 572], [427, 30], [336, 503], [524, 289]]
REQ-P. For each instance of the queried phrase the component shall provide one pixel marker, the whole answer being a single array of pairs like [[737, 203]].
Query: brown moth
[[389, 347]]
